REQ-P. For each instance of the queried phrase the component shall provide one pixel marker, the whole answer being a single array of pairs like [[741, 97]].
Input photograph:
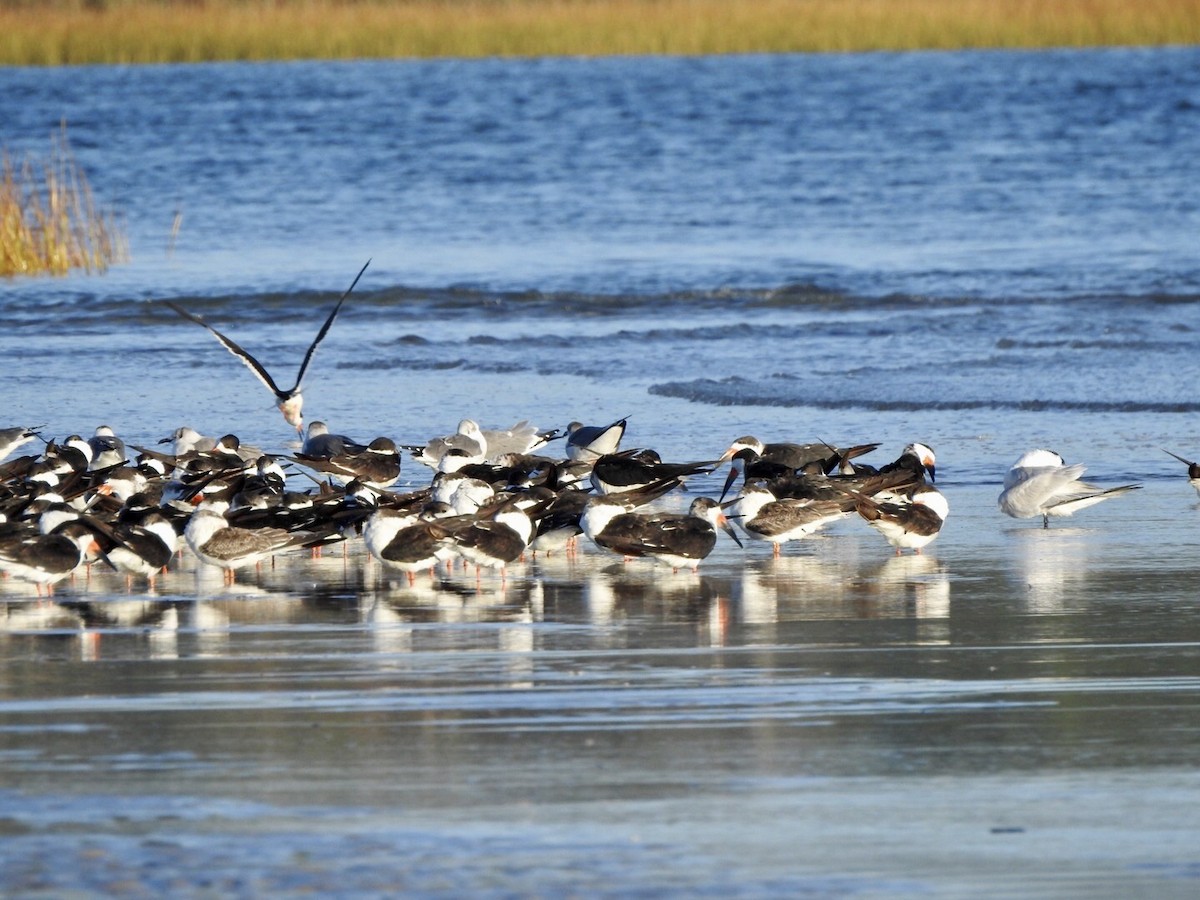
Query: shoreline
[[68, 32]]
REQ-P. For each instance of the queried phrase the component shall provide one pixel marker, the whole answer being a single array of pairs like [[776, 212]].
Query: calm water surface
[[987, 252]]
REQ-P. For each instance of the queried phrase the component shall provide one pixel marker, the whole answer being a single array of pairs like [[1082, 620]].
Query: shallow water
[[987, 252]]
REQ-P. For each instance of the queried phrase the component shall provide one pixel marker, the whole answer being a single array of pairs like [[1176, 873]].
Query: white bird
[[291, 400], [587, 443], [107, 449], [1040, 484], [469, 445], [12, 438]]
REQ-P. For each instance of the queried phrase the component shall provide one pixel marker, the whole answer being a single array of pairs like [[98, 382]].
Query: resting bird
[[908, 519], [291, 400], [678, 540], [1039, 484]]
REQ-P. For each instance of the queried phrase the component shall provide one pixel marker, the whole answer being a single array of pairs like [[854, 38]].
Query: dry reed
[[49, 223], [127, 31]]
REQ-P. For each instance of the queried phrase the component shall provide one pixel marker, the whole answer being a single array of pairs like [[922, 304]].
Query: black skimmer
[[631, 470], [1040, 484], [218, 543], [558, 525], [1193, 470], [773, 456], [765, 517], [909, 519], [46, 559], [680, 541], [13, 438], [143, 540], [916, 458], [409, 542], [289, 401], [319, 442], [493, 538], [587, 443], [378, 466]]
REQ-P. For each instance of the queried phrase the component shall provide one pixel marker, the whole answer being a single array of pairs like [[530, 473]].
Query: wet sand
[[1012, 713]]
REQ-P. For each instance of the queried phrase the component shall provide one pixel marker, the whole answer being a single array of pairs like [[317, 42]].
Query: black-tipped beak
[[729, 480], [932, 476], [728, 529]]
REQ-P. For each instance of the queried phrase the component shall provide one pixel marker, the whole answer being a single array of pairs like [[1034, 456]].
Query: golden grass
[[49, 223], [129, 31]]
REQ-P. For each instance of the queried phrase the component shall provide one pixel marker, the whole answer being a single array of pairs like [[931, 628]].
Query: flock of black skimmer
[[492, 495]]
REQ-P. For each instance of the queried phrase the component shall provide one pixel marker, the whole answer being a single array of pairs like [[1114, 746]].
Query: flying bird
[[291, 400]]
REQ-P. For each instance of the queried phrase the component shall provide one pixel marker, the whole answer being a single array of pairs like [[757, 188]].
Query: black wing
[[325, 329], [251, 363]]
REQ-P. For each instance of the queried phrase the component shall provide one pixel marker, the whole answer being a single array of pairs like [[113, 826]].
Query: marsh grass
[[49, 223], [48, 32]]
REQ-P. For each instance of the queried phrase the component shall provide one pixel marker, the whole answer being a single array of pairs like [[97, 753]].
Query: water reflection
[[606, 596], [1048, 562]]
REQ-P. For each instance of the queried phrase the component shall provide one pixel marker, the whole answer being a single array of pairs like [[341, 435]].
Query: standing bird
[[908, 519], [291, 400], [678, 540], [587, 443], [46, 559], [1039, 484], [765, 517], [217, 543], [377, 466]]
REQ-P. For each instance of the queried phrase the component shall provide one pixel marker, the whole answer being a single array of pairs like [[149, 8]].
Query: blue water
[[984, 251], [974, 232], [998, 175]]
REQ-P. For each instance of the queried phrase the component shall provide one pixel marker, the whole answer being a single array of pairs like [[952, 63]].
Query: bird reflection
[[1048, 561]]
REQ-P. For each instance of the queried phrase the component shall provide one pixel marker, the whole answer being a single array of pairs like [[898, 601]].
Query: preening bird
[[1040, 484], [291, 400]]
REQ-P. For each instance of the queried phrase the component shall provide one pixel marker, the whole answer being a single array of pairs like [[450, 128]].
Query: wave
[[34, 305], [735, 391]]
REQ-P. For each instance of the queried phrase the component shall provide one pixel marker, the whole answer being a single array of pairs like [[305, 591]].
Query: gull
[[187, 439], [107, 449], [468, 444], [291, 400], [1040, 484], [12, 438], [587, 443]]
